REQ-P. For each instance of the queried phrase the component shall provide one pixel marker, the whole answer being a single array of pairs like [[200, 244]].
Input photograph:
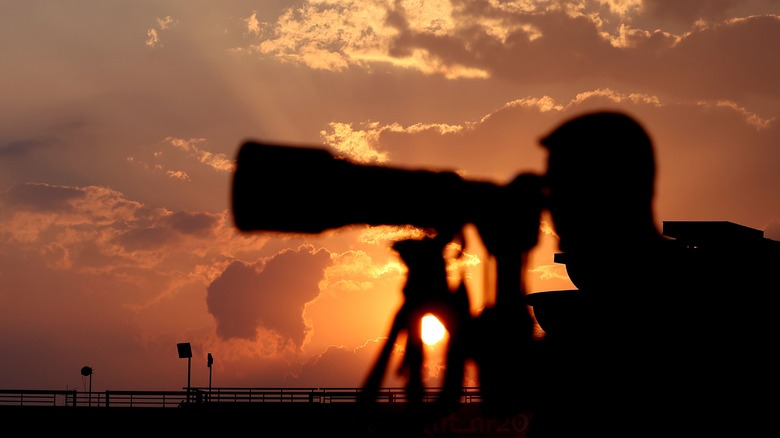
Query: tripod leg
[[413, 360], [374, 380]]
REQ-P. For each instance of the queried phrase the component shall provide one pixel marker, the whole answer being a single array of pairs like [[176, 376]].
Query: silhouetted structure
[[557, 311]]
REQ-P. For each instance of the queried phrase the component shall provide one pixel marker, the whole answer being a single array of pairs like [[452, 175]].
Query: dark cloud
[[41, 197], [16, 148], [145, 238], [567, 48], [269, 295], [688, 11], [729, 61], [192, 223]]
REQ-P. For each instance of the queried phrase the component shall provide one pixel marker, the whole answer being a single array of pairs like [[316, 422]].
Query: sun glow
[[433, 330]]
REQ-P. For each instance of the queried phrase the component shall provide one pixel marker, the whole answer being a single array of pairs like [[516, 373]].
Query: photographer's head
[[600, 177]]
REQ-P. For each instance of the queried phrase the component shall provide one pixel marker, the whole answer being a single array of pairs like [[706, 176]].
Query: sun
[[433, 330]]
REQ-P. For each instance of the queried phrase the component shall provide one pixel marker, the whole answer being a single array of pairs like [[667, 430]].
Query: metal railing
[[198, 395], [35, 397]]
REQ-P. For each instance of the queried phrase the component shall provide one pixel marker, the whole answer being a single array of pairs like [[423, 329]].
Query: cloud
[[166, 23], [153, 35], [178, 174], [253, 24], [337, 365], [153, 39], [270, 295], [17, 148], [357, 145], [95, 229], [191, 223], [158, 161], [742, 69], [37, 211], [40, 197], [691, 10], [329, 36], [545, 45], [217, 162]]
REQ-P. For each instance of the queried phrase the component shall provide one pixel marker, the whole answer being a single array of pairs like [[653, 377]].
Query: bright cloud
[[216, 161], [153, 35]]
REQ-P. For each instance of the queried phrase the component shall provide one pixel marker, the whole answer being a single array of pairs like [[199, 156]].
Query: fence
[[198, 395]]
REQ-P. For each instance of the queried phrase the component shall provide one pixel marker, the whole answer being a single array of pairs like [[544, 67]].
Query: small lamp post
[[210, 362], [87, 372], [185, 350]]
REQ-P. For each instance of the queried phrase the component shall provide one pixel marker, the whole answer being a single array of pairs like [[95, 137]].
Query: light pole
[[87, 371], [185, 350], [209, 363]]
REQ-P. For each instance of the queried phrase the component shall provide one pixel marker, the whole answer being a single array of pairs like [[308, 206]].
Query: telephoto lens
[[308, 190]]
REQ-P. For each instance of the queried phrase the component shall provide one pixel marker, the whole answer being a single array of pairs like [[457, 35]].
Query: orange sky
[[121, 121]]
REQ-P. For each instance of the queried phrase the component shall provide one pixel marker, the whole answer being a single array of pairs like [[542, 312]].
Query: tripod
[[426, 291]]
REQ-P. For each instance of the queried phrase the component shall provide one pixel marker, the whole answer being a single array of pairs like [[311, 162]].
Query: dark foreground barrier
[[267, 419]]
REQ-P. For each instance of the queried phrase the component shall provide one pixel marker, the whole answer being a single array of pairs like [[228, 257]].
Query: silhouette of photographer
[[662, 336], [655, 340]]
